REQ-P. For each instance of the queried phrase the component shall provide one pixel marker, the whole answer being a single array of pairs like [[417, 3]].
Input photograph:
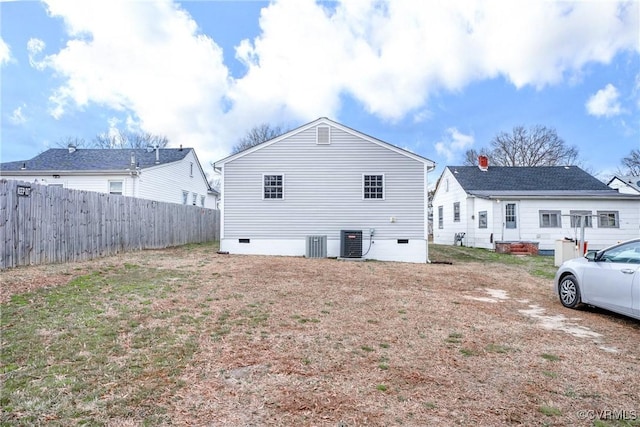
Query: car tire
[[569, 291]]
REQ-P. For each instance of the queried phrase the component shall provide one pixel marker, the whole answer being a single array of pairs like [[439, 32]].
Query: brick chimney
[[483, 163]]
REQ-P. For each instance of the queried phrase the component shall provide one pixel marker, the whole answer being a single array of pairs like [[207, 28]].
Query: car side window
[[628, 253]]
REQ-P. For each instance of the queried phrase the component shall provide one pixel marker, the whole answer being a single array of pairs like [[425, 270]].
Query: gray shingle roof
[[60, 159], [540, 179]]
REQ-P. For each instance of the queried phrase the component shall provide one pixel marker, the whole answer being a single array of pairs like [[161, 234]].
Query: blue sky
[[436, 78]]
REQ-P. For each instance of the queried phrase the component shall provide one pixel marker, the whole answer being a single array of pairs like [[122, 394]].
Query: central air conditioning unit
[[350, 244], [316, 247]]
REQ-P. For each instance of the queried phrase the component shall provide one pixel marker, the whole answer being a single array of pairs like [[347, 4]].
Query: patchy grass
[[539, 266], [93, 349], [185, 336]]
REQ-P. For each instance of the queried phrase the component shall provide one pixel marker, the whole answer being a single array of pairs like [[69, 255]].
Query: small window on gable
[[323, 135], [191, 169]]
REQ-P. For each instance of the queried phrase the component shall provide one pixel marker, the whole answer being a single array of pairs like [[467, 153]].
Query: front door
[[510, 222]]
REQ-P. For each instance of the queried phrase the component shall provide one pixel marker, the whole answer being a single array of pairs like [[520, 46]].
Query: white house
[[625, 184], [171, 175], [530, 204], [313, 183]]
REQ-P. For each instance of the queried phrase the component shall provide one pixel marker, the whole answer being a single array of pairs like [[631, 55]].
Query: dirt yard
[[299, 342]]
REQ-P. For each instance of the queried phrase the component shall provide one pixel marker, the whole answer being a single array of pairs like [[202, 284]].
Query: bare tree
[[257, 135], [125, 139], [471, 156], [118, 139], [631, 163], [536, 146]]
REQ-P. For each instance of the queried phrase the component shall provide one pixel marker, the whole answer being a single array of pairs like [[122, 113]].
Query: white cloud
[[147, 59], [17, 116], [5, 52], [605, 102], [150, 61], [35, 47], [453, 143]]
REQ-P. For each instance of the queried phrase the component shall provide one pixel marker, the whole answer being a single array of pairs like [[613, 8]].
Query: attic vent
[[323, 135]]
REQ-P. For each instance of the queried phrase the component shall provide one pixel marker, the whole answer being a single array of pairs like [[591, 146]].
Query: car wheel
[[569, 291]]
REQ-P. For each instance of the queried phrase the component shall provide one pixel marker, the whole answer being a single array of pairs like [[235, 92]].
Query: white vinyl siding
[[323, 190]]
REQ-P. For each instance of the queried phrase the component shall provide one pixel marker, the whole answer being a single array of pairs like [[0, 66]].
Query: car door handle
[[628, 271]]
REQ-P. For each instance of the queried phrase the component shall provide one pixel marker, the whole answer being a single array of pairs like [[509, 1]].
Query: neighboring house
[[530, 204], [625, 184], [171, 175], [319, 180]]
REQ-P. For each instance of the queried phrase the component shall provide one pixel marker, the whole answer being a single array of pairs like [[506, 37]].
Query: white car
[[608, 279]]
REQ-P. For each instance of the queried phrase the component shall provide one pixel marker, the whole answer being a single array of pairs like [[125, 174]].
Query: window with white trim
[[202, 201], [185, 197], [273, 186], [116, 187], [191, 169], [373, 186], [550, 219], [456, 212], [194, 199], [440, 217], [608, 219]]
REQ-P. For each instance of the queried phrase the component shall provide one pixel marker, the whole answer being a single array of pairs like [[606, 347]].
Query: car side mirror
[[591, 256]]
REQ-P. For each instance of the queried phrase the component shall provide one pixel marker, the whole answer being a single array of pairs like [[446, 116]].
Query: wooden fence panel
[[41, 224]]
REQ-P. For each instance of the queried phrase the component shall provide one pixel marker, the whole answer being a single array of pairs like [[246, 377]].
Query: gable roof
[[630, 180], [93, 159], [531, 181], [325, 121]]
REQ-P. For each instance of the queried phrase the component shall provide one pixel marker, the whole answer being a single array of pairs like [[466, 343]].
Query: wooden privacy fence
[[42, 224]]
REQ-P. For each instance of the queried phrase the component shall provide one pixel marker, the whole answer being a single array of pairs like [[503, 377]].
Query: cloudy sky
[[437, 78]]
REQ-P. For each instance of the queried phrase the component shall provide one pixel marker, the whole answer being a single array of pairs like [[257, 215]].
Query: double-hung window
[[373, 186], [550, 219], [273, 186], [440, 217], [608, 219], [456, 212], [185, 197], [579, 218]]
